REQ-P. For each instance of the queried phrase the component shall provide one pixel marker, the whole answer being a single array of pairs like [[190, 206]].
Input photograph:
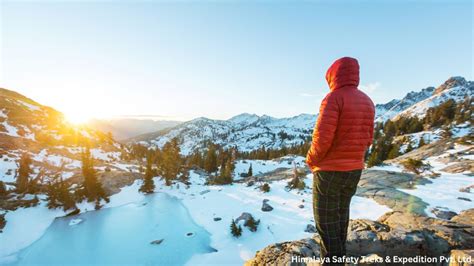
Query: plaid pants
[[332, 193]]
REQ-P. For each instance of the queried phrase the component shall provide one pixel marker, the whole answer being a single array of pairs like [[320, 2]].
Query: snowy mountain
[[455, 88], [395, 106], [249, 131], [416, 103], [245, 131]]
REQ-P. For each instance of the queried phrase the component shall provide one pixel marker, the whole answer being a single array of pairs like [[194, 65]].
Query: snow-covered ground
[[444, 191], [265, 166], [286, 222], [7, 169]]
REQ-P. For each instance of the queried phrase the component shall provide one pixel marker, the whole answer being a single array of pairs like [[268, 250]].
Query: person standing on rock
[[342, 134]]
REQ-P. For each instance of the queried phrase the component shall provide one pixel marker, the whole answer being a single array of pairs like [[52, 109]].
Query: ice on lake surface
[[122, 235]]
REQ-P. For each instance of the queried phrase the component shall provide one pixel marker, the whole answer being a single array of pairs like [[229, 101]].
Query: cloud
[[371, 87], [304, 94]]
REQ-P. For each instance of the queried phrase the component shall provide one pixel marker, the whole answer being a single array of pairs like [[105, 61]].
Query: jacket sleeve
[[371, 138], [324, 131]]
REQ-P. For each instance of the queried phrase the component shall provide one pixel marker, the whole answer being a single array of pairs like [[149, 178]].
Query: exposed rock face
[[281, 253], [382, 187], [443, 214], [461, 257], [465, 217], [266, 207], [395, 233], [310, 228]]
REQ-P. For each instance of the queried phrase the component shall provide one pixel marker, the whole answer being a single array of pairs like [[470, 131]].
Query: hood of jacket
[[344, 72]]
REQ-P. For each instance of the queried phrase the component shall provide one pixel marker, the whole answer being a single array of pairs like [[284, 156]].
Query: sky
[[186, 59]]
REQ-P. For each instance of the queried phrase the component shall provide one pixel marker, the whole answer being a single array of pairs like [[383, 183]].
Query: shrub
[[235, 230], [252, 224], [265, 187]]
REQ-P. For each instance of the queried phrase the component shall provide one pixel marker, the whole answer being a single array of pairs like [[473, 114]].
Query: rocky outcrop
[[461, 257], [382, 186], [394, 234]]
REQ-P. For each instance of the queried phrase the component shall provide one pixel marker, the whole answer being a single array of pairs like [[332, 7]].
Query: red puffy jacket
[[345, 125]]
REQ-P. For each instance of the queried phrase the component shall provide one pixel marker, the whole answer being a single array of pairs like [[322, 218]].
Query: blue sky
[[218, 59]]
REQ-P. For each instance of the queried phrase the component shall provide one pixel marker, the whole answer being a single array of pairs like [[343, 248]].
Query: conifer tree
[[148, 185], [409, 148], [422, 142], [235, 230], [58, 194], [171, 163], [394, 152], [250, 171], [24, 171], [91, 188], [210, 163]]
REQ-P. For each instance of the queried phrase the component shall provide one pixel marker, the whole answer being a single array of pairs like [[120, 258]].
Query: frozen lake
[[122, 235]]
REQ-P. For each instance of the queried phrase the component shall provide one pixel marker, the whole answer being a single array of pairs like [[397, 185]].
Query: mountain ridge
[[250, 131]]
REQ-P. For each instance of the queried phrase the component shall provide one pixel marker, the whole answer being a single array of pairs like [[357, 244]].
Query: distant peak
[[451, 83]]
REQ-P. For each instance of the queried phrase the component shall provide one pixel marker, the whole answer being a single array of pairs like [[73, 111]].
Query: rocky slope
[[53, 144], [393, 234]]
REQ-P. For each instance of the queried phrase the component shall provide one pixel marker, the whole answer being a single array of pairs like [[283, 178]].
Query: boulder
[[217, 219], [266, 207], [310, 228], [245, 216]]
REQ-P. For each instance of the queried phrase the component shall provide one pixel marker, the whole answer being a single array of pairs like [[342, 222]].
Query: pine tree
[[171, 163], [374, 159], [148, 185], [422, 142], [394, 152], [235, 230], [409, 148], [58, 194], [250, 171], [91, 188], [24, 171], [51, 194], [252, 224], [210, 163]]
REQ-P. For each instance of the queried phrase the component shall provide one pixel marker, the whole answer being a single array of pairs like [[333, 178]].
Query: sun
[[77, 118]]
